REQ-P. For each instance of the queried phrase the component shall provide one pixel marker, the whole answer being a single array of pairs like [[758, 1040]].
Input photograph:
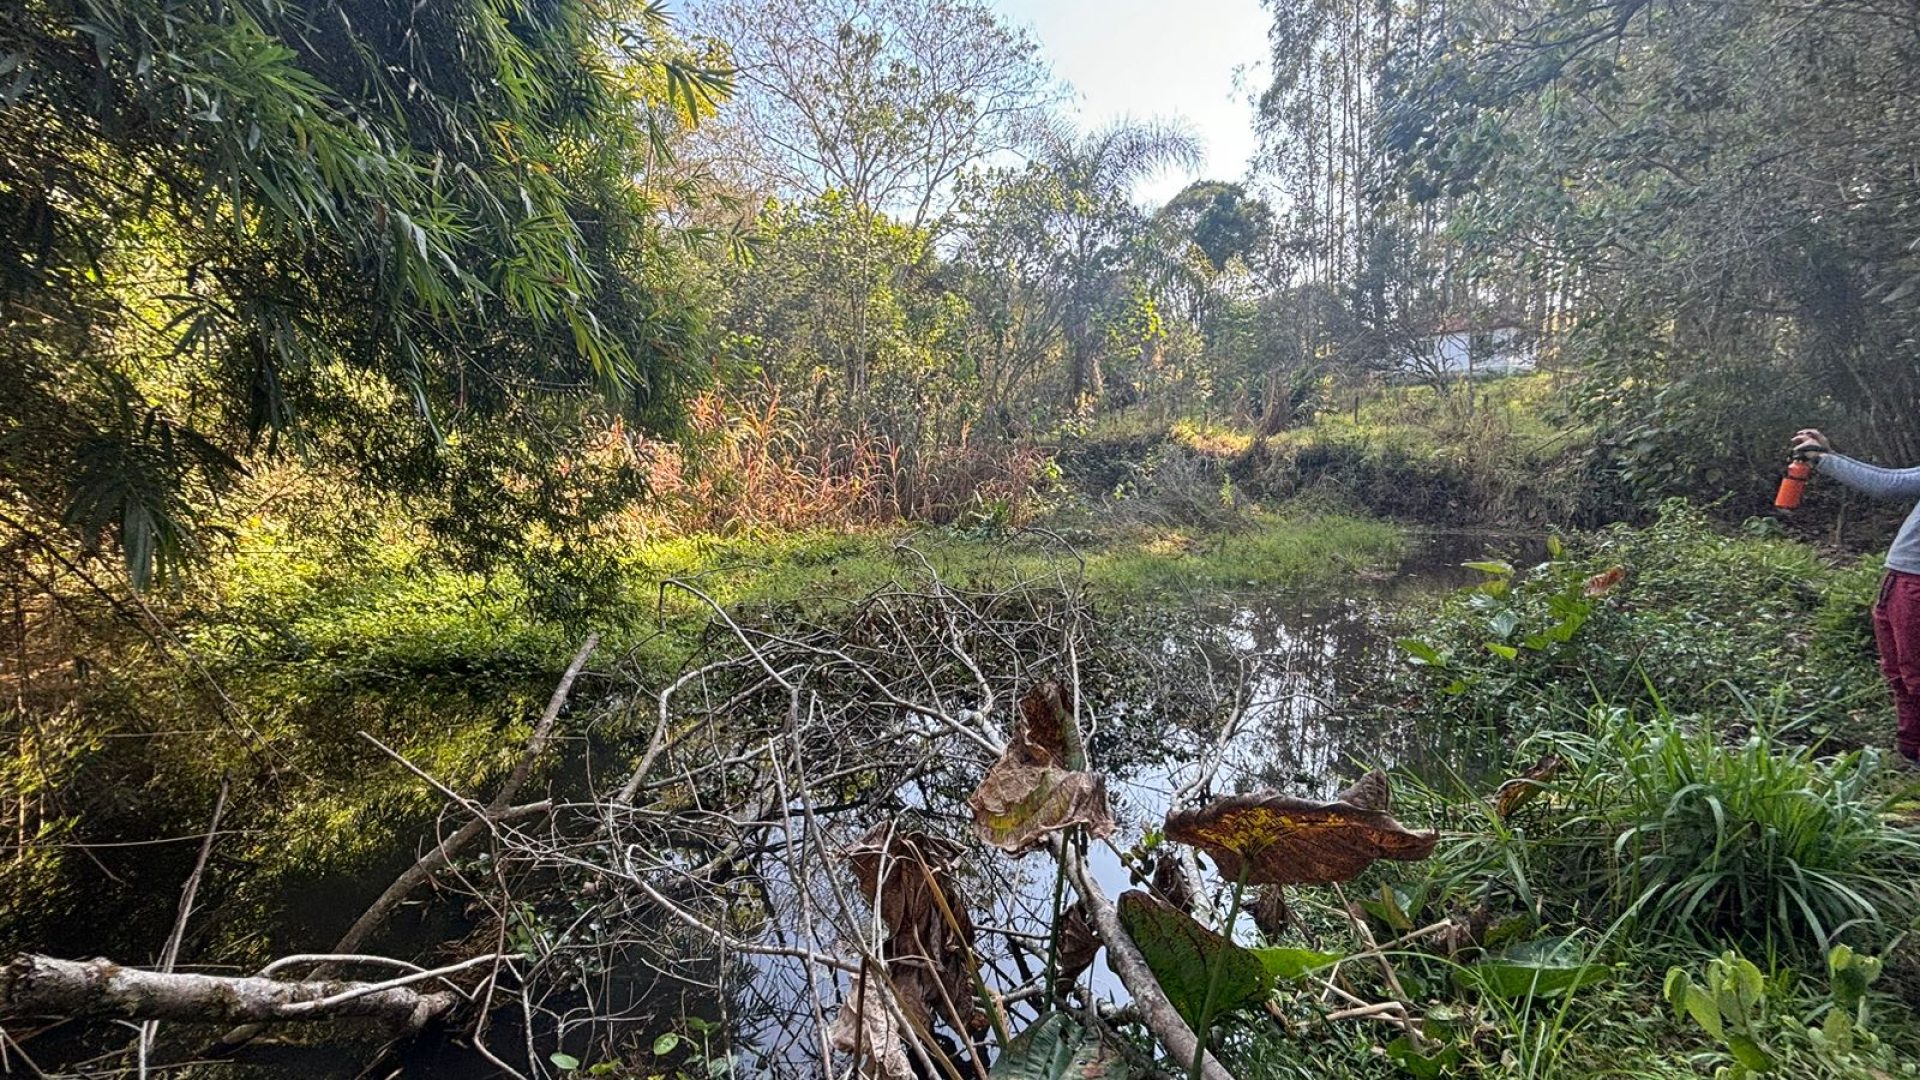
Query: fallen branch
[[35, 985], [1156, 1012], [417, 874]]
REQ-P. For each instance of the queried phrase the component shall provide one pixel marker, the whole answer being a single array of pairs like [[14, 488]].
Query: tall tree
[[1096, 223], [1716, 202], [412, 240], [888, 101]]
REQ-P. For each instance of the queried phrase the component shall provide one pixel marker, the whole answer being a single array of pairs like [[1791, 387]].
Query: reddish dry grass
[[749, 462]]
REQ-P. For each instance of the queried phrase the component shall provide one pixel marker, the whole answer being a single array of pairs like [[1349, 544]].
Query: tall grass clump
[[1715, 837]]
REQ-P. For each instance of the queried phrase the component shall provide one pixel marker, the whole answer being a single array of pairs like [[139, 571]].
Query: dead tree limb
[[1124, 958], [35, 985], [417, 874]]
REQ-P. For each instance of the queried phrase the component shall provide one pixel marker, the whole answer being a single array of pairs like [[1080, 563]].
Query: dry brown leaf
[[1047, 735], [1281, 840], [1270, 912], [1521, 790], [1604, 582], [1370, 792], [1172, 885], [1078, 946], [1016, 805], [1034, 789], [908, 876], [865, 1027]]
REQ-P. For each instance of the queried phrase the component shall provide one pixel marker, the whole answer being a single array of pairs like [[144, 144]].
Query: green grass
[[1420, 421], [1126, 563], [1716, 837]]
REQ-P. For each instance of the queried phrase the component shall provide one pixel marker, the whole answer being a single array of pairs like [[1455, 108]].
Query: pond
[[1298, 663], [1294, 665]]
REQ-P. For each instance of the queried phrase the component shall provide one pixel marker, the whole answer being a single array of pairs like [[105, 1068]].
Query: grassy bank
[[1701, 797], [1500, 452]]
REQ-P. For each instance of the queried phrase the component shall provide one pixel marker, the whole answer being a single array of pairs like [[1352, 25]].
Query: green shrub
[[1699, 616]]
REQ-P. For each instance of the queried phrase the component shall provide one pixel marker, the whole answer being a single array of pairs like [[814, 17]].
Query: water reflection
[[1293, 671]]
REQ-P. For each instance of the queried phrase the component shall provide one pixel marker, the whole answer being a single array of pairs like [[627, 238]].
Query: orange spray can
[[1793, 485]]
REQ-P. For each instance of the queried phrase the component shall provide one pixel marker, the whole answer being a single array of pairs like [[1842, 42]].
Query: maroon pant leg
[[1896, 627]]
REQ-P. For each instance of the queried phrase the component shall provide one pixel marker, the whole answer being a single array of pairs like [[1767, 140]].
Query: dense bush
[[1695, 616], [1715, 837]]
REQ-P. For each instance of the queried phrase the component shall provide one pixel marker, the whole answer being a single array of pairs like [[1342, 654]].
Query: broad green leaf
[[1495, 567], [665, 1044], [1838, 1030], [1540, 968], [1442, 1062], [1505, 652], [1750, 1053], [1058, 1048], [1422, 653], [1851, 975], [563, 1062], [1396, 906], [1290, 964], [1182, 953]]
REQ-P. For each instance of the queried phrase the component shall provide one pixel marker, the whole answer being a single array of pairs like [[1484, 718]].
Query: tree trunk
[[34, 985]]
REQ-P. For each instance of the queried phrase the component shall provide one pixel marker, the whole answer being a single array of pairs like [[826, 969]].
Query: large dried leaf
[[1017, 805], [1280, 840], [1038, 786], [907, 859], [1048, 735], [1182, 954], [868, 1029], [1521, 790], [908, 877], [1077, 947], [1059, 1048]]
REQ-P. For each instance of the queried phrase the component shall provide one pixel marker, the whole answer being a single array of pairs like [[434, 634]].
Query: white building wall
[[1452, 354]]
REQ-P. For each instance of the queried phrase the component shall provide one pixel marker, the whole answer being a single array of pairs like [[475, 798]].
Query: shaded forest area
[[599, 536]]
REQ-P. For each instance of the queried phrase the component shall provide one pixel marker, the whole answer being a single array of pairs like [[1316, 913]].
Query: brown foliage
[[1278, 840], [1035, 789], [1521, 790], [908, 877]]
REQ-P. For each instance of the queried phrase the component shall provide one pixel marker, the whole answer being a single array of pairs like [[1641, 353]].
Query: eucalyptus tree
[[412, 242], [1716, 202]]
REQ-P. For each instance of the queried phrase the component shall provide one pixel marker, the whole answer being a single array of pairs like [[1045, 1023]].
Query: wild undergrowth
[[1683, 611]]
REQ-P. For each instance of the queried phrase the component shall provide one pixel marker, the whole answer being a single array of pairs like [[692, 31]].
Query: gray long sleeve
[[1880, 483], [1873, 480]]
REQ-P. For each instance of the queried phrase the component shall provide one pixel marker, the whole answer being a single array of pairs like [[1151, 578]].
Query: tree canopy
[[358, 230]]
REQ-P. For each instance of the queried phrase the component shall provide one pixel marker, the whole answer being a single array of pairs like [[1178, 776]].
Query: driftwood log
[[35, 985]]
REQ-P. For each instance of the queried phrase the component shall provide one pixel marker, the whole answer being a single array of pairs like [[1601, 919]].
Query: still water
[[1298, 663]]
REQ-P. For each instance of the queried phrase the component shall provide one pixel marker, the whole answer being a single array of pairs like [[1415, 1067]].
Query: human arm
[[1873, 480], [1870, 480]]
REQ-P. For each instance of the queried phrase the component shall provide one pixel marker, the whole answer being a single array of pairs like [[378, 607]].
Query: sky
[[1151, 58]]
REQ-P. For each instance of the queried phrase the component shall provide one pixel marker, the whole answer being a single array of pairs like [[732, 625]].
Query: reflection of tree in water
[[1306, 667]]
